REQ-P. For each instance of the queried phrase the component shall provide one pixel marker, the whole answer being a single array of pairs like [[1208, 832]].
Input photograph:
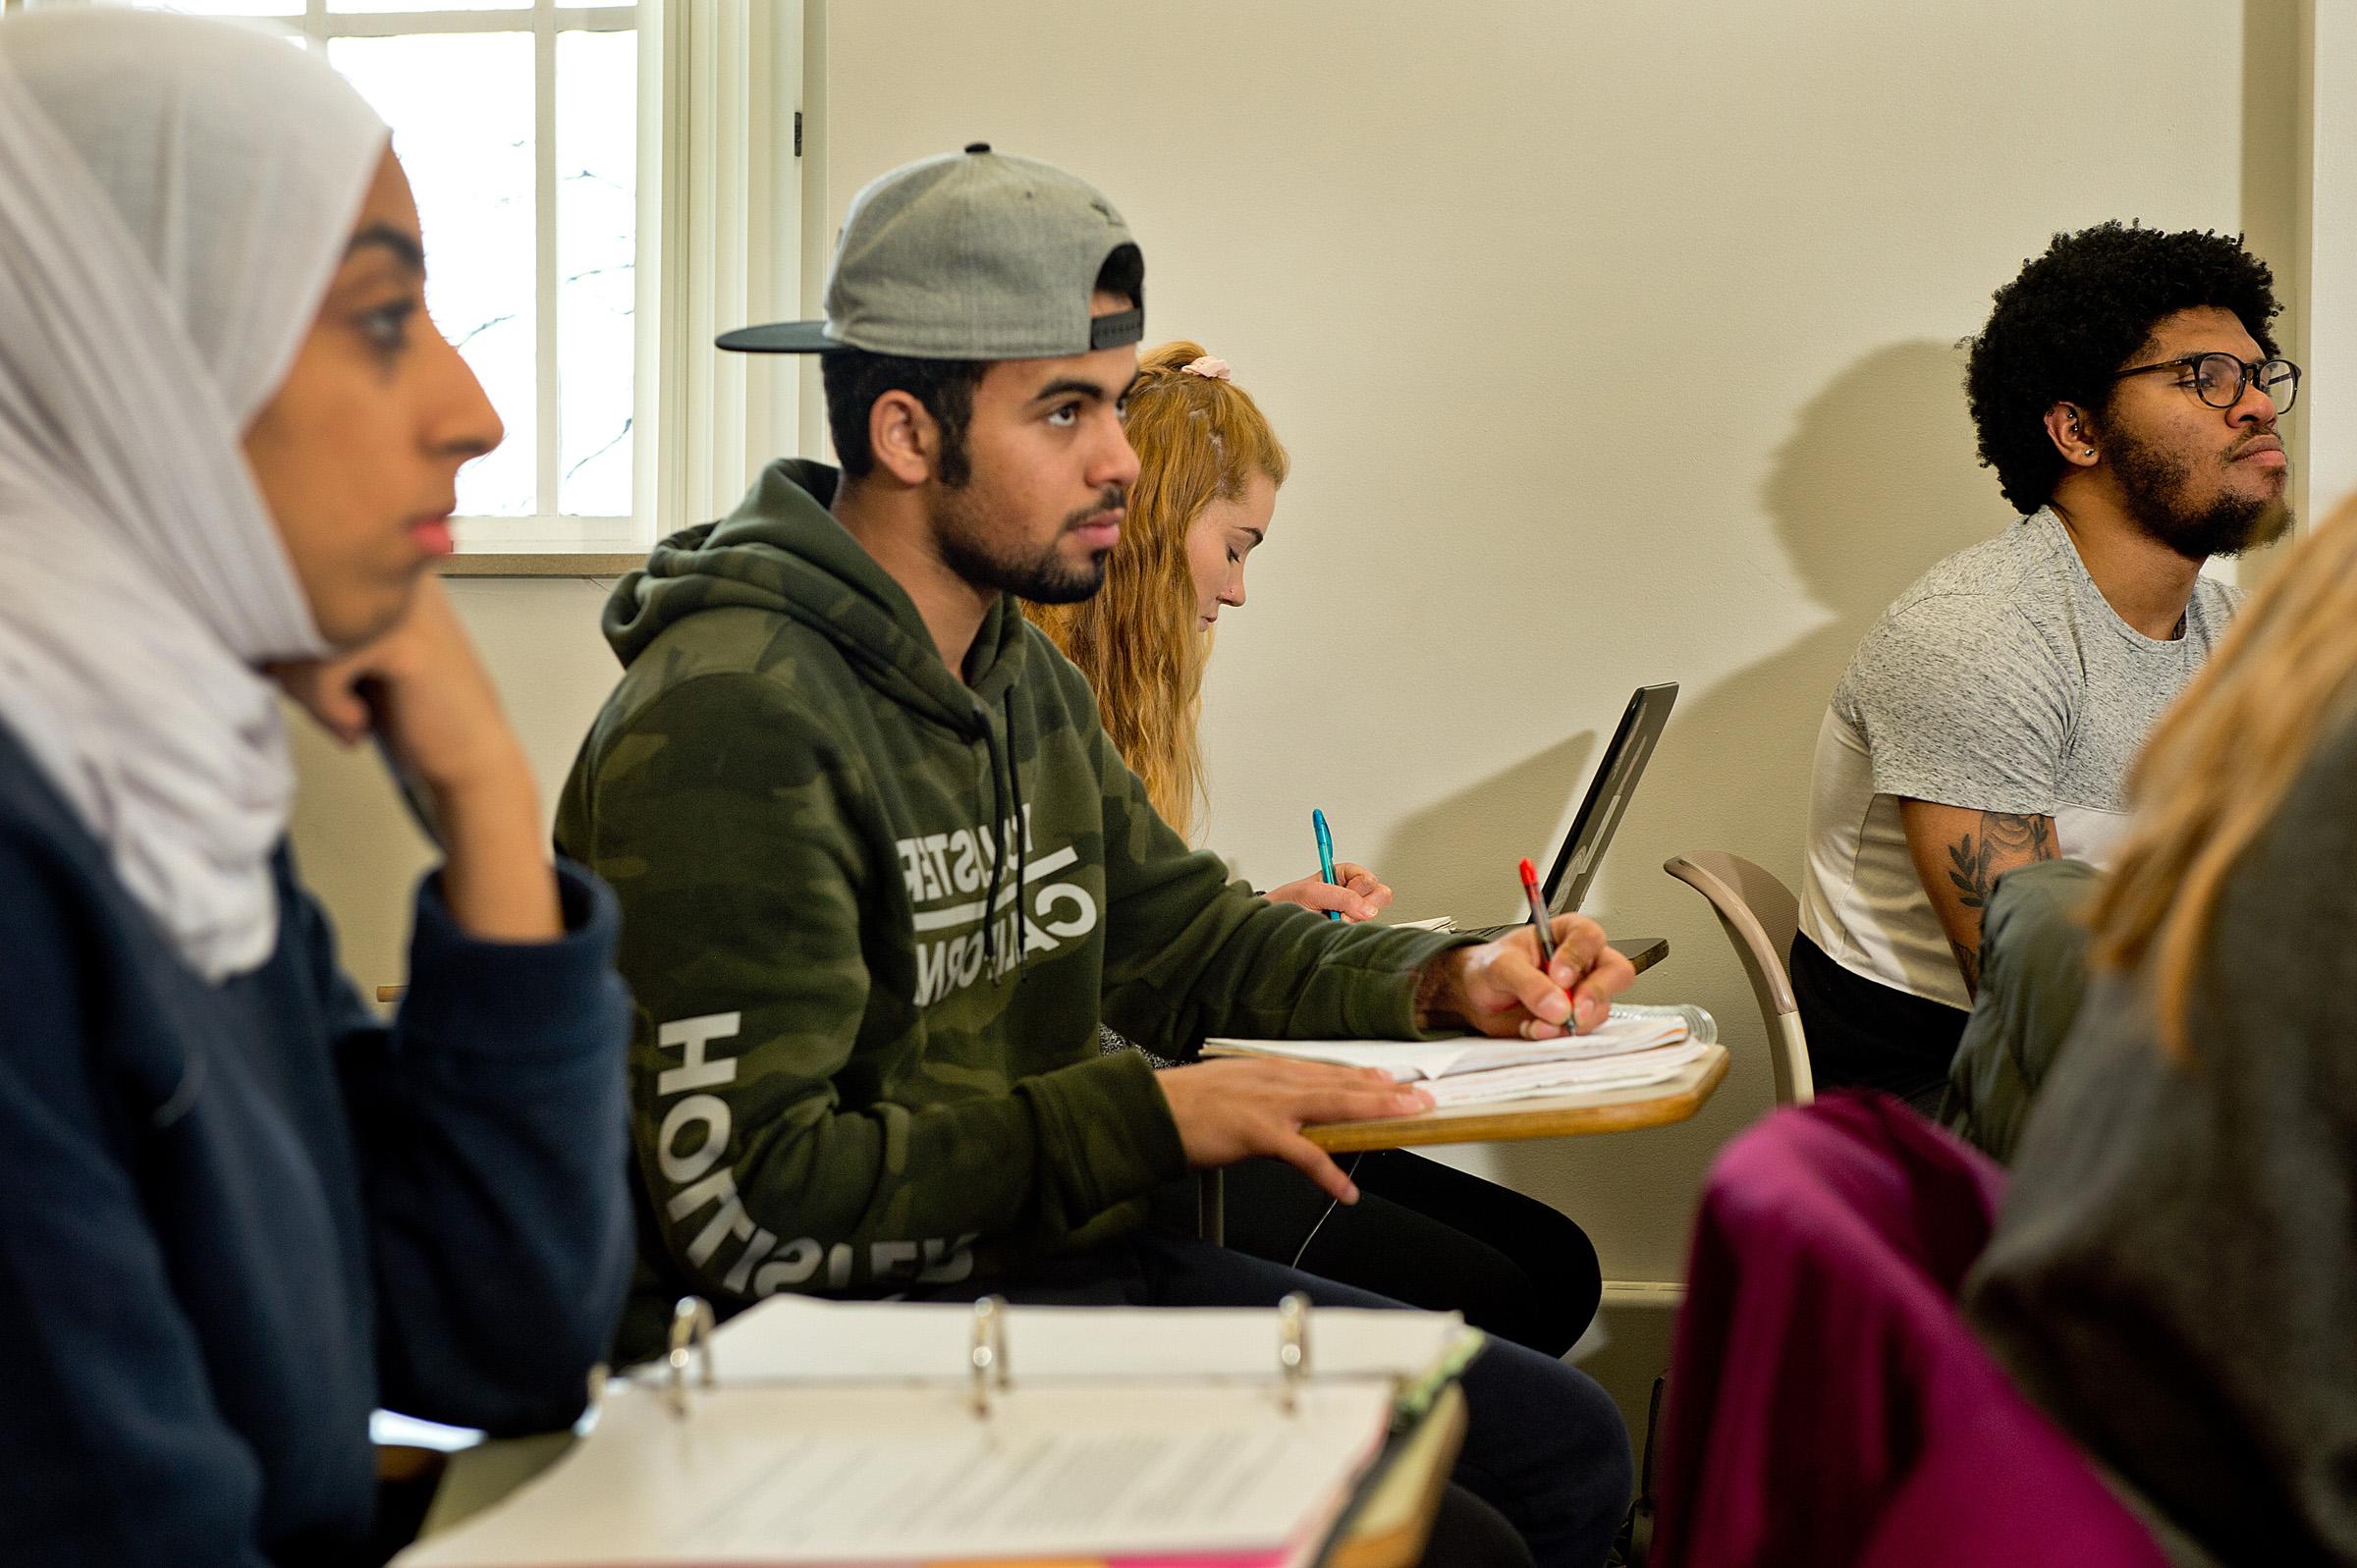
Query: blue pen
[[1317, 823]]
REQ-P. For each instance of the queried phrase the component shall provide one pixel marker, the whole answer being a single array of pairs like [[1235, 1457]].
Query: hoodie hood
[[782, 551]]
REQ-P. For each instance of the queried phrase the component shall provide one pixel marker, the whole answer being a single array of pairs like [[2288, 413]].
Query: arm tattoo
[[2005, 840], [2004, 834], [2029, 837]]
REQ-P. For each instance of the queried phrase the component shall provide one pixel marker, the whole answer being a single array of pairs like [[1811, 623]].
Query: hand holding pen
[[1543, 979], [1342, 890], [1317, 823], [1594, 977]]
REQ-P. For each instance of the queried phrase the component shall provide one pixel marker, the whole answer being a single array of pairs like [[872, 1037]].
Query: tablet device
[[1608, 797]]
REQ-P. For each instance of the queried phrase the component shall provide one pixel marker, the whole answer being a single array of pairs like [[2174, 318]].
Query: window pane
[[225, 8], [597, 246], [460, 109], [436, 5]]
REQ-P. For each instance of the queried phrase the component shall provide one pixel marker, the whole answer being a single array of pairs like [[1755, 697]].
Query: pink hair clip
[[1207, 367]]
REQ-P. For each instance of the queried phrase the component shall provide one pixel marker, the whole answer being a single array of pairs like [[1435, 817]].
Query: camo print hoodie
[[874, 915]]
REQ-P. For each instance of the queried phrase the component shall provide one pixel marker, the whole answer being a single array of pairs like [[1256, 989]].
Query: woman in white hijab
[[236, 1213]]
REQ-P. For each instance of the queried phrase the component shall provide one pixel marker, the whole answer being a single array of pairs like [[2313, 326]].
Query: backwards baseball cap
[[975, 255]]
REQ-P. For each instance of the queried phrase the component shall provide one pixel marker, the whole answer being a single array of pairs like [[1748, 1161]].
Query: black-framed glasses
[[2220, 379]]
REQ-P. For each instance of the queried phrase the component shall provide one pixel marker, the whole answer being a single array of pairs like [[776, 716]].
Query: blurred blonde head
[[1201, 439], [2222, 760]]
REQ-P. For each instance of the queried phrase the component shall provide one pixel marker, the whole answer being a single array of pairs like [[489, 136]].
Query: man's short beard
[[2153, 482], [961, 532]]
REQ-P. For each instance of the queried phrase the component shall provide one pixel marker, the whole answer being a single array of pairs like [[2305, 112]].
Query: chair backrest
[[1829, 1404], [1759, 915]]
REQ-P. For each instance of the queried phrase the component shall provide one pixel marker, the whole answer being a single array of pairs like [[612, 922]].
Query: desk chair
[[1829, 1404], [1759, 915]]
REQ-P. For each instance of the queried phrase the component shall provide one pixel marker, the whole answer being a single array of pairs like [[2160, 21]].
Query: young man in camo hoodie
[[882, 874]]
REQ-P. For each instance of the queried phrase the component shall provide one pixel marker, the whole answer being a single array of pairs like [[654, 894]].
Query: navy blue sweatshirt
[[234, 1219]]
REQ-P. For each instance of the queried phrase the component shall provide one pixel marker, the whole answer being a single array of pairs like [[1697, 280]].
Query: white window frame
[[548, 529], [720, 244]]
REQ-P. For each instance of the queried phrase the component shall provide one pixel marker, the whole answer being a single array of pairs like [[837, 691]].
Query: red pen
[[1538, 916], [1543, 929]]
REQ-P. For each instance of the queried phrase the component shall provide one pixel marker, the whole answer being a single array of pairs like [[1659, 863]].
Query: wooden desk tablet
[[1572, 1115]]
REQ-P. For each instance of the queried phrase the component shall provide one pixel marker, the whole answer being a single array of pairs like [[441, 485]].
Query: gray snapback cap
[[975, 255]]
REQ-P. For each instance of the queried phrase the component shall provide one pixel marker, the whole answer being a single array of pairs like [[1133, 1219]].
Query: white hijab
[[175, 196]]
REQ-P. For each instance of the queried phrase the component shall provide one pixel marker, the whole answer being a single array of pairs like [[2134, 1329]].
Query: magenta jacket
[[1826, 1403]]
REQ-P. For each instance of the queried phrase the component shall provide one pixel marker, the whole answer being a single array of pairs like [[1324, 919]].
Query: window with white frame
[[602, 188], [517, 122]]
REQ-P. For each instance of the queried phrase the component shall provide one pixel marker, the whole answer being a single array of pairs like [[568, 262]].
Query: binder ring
[[986, 1354], [691, 1334], [1293, 1348]]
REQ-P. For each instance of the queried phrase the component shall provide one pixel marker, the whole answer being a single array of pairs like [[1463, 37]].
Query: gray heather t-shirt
[[2000, 681]]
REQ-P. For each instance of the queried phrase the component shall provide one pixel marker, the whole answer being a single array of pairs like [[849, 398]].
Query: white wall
[[1612, 344]]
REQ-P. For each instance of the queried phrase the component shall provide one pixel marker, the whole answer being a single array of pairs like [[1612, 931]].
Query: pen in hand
[[1317, 823], [1543, 929]]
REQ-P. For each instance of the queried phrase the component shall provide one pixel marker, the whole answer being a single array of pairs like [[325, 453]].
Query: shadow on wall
[[1457, 853], [1878, 481]]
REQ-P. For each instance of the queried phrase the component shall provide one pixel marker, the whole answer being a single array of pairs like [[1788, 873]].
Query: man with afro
[[2126, 391]]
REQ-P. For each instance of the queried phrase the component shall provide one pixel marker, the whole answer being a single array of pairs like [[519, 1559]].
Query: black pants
[[1866, 1035], [1430, 1237], [1467, 1533], [1543, 1445]]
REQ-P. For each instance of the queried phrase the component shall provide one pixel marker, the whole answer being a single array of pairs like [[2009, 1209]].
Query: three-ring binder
[[809, 1431], [691, 1334], [1293, 1348], [988, 1372], [986, 1353]]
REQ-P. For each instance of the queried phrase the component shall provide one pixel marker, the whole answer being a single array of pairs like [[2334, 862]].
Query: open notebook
[[1632, 1047], [888, 1433]]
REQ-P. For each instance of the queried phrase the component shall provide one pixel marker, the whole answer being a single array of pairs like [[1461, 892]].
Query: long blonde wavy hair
[[1198, 440], [2221, 761]]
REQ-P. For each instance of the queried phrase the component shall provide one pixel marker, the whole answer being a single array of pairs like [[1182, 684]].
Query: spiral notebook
[[813, 1432]]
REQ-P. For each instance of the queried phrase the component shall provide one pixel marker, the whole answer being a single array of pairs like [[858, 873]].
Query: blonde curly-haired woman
[[1210, 466]]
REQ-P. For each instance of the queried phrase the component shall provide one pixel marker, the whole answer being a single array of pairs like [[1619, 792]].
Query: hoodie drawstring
[[998, 862], [1022, 833]]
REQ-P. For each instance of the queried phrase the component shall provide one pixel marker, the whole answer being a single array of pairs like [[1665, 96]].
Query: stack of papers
[[1635, 1047]]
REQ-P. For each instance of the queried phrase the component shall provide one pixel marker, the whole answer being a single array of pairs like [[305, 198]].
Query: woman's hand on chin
[[1355, 892], [423, 689]]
